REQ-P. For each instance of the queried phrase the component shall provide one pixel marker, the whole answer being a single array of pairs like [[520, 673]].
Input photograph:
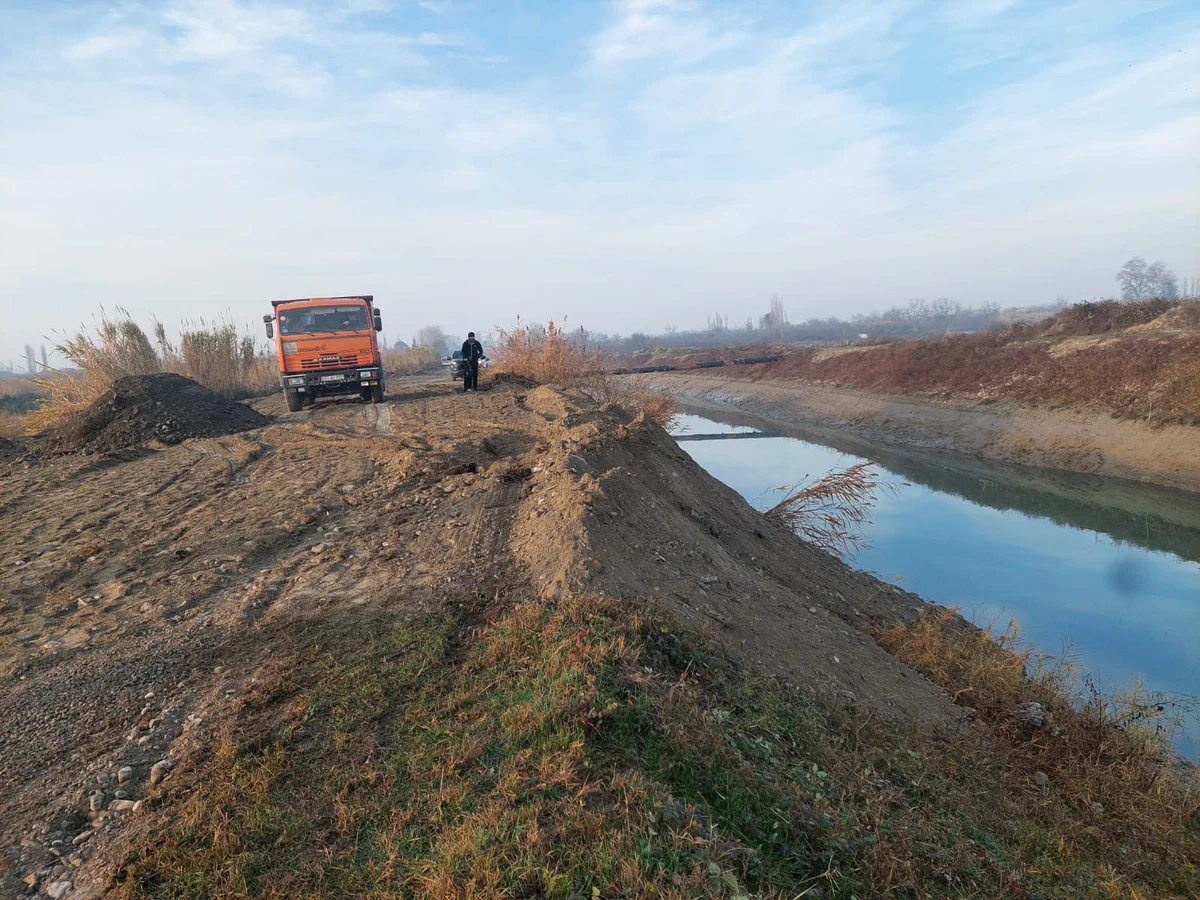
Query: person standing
[[472, 352]]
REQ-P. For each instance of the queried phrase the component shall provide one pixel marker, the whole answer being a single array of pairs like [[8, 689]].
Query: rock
[[120, 794], [159, 770], [59, 889], [82, 836], [31, 879], [124, 774], [1040, 778], [813, 610], [1097, 809], [96, 802], [122, 805], [137, 807], [1032, 713]]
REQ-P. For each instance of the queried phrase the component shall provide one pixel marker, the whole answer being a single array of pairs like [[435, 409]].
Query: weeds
[[581, 748], [552, 355], [832, 512]]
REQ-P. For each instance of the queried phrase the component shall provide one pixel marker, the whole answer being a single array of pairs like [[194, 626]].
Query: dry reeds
[[215, 355], [1107, 756], [552, 355], [411, 361], [831, 512]]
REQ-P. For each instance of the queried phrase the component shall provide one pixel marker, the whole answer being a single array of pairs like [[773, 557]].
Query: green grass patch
[[578, 749]]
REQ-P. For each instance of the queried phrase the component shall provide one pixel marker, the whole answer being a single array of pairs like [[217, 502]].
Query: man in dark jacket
[[472, 352]]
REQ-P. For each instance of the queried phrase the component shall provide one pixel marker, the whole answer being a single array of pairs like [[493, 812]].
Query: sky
[[623, 165]]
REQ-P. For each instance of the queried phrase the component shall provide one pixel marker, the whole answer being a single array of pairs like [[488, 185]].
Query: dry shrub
[[1114, 752], [832, 511], [552, 355], [547, 354], [1104, 316], [411, 361]]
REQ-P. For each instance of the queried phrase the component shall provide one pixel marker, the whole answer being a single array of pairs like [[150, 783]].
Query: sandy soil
[[1071, 440], [143, 593]]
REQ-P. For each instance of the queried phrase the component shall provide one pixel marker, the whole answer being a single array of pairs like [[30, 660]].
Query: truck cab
[[327, 346]]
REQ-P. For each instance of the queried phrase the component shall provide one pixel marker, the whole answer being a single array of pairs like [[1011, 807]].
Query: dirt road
[[1073, 440], [142, 592]]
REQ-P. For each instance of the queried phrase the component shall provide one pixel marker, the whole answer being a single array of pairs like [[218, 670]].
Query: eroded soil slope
[[142, 599]]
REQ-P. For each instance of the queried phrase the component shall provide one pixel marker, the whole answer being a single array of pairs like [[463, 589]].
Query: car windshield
[[312, 319], [457, 354]]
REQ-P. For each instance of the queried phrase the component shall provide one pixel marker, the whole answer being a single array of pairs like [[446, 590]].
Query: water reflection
[[1102, 569]]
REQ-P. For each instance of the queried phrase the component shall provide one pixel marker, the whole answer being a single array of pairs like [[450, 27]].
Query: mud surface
[[1071, 440], [164, 408], [142, 597]]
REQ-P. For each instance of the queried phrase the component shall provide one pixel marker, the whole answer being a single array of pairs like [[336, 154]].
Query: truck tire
[[377, 392], [294, 400]]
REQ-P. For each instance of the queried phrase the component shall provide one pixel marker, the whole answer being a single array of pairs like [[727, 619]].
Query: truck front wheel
[[377, 392], [295, 400]]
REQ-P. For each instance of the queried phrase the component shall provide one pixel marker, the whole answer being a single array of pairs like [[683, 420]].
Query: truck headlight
[[366, 373], [294, 381], [291, 347]]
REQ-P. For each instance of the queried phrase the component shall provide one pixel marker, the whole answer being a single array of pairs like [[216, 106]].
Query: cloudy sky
[[627, 164]]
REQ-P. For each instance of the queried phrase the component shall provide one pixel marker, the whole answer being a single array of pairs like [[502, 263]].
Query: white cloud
[[668, 29]]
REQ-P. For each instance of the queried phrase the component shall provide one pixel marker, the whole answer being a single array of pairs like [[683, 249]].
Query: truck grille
[[330, 362]]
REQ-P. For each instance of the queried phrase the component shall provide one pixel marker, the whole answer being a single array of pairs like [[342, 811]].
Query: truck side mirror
[[267, 320], [378, 321]]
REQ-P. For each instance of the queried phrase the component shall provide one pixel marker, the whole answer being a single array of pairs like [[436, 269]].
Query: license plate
[[333, 377]]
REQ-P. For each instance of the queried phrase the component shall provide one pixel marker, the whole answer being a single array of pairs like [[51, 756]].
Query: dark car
[[454, 362]]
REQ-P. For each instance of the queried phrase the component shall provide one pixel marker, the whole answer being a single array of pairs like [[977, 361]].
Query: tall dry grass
[[832, 511], [1108, 757], [552, 354], [216, 355], [411, 361]]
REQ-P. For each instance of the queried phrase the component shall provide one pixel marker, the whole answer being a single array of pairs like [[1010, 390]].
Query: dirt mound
[[137, 409]]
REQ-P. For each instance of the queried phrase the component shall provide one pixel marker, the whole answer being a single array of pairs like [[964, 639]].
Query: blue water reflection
[[1125, 612]]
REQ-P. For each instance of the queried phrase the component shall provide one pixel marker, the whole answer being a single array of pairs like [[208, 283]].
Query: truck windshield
[[312, 319]]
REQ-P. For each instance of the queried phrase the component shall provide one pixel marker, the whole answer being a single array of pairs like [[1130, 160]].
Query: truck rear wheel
[[294, 400]]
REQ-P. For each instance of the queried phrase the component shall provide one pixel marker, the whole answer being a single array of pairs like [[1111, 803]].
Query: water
[[1103, 570]]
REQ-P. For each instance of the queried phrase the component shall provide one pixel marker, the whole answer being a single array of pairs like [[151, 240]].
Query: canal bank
[[1105, 572], [1055, 439]]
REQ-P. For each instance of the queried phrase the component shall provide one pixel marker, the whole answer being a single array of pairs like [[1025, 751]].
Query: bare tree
[[30, 360], [1140, 281], [432, 336], [45, 362]]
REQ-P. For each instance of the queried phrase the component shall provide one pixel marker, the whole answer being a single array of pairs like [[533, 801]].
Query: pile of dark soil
[[137, 409], [10, 450]]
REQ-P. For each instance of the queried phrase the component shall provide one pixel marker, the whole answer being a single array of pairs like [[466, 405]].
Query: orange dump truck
[[327, 346]]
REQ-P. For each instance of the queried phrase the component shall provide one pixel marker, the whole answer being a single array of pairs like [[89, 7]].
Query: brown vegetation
[[553, 355], [1129, 369], [1099, 769], [411, 361]]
